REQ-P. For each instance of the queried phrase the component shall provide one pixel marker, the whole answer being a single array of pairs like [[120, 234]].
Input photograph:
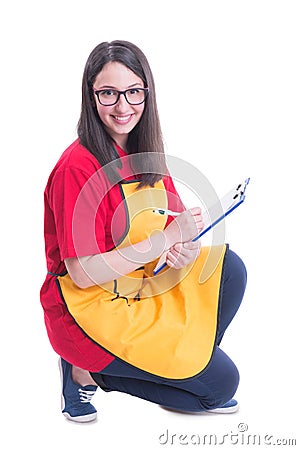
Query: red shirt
[[79, 205]]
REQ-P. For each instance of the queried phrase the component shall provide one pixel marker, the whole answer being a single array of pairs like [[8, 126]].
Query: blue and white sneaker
[[228, 408], [76, 399]]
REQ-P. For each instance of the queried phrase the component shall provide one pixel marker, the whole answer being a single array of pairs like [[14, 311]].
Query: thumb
[[161, 260]]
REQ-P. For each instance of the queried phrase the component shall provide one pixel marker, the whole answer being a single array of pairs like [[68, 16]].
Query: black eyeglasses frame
[[97, 92]]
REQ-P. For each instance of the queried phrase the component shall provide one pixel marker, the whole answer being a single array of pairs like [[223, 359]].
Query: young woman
[[113, 323]]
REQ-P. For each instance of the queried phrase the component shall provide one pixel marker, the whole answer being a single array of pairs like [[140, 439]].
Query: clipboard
[[218, 212]]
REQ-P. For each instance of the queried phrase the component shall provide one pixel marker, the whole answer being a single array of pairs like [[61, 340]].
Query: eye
[[134, 91], [108, 93]]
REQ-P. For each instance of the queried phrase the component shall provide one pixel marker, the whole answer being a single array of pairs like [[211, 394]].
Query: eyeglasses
[[133, 96]]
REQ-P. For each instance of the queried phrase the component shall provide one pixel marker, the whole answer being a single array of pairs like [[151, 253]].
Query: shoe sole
[[229, 410], [81, 419]]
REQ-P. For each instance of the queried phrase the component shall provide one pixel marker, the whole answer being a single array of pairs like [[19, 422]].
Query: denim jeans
[[214, 386]]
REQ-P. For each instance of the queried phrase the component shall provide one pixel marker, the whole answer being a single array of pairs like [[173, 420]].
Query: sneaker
[[75, 399], [230, 407]]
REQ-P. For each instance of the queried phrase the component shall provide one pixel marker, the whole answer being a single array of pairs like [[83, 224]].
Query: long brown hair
[[146, 137]]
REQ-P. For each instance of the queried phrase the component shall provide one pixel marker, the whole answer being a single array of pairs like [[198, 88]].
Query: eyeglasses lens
[[110, 97]]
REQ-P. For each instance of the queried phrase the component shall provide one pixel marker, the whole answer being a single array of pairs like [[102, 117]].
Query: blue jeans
[[214, 386]]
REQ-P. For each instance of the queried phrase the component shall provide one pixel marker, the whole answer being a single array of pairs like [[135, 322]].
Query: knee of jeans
[[235, 267], [223, 393], [234, 379], [231, 381], [228, 388], [222, 380]]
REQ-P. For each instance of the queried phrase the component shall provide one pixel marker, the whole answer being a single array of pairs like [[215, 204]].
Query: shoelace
[[85, 396]]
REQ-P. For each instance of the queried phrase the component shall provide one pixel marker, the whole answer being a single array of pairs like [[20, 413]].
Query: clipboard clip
[[241, 188]]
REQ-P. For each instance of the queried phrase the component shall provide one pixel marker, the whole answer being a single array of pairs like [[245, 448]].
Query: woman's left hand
[[182, 254]]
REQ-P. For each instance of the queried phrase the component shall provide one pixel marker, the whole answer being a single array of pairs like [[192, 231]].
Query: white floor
[[241, 60]]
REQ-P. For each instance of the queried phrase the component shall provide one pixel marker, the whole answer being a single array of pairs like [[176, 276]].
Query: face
[[121, 118]]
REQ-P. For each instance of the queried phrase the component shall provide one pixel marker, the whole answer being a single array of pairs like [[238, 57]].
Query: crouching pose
[[108, 221]]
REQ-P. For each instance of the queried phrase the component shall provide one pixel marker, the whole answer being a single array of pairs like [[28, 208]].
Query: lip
[[122, 119]]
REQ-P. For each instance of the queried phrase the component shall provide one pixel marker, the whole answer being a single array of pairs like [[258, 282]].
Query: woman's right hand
[[184, 227]]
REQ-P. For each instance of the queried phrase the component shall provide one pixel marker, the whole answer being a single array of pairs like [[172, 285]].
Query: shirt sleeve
[[174, 201], [76, 200]]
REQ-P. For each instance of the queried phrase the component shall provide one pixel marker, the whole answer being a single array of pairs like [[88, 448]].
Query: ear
[[93, 99]]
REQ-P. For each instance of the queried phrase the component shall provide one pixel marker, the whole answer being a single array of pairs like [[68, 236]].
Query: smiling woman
[[113, 323], [112, 88], [146, 136]]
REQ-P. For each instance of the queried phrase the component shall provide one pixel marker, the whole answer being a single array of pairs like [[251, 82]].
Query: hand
[[182, 254], [184, 227]]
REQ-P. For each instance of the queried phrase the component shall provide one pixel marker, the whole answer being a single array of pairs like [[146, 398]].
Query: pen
[[167, 212]]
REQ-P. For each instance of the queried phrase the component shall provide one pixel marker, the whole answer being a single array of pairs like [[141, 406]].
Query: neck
[[121, 141], [122, 145]]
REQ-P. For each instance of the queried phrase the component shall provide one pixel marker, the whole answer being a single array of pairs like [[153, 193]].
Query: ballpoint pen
[[167, 212]]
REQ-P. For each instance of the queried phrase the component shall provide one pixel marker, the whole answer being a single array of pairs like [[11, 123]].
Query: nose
[[122, 103]]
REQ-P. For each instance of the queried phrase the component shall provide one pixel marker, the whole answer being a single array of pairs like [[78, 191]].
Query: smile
[[123, 119]]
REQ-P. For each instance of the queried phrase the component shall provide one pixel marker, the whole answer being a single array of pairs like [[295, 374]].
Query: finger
[[171, 260], [198, 218], [200, 225], [177, 248], [192, 245], [173, 256], [176, 263], [196, 210], [183, 254], [184, 249], [178, 254], [181, 258]]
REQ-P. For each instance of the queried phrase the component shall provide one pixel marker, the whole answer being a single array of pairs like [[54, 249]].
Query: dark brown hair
[[146, 136]]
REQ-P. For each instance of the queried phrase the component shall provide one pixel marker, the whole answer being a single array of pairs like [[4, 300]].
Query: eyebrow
[[113, 87]]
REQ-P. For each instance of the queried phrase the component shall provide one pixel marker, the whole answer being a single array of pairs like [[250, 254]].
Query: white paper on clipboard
[[218, 212]]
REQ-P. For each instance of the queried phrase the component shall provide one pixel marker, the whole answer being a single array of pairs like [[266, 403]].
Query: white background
[[239, 63]]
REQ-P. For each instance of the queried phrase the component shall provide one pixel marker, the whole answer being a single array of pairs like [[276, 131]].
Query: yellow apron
[[165, 325]]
